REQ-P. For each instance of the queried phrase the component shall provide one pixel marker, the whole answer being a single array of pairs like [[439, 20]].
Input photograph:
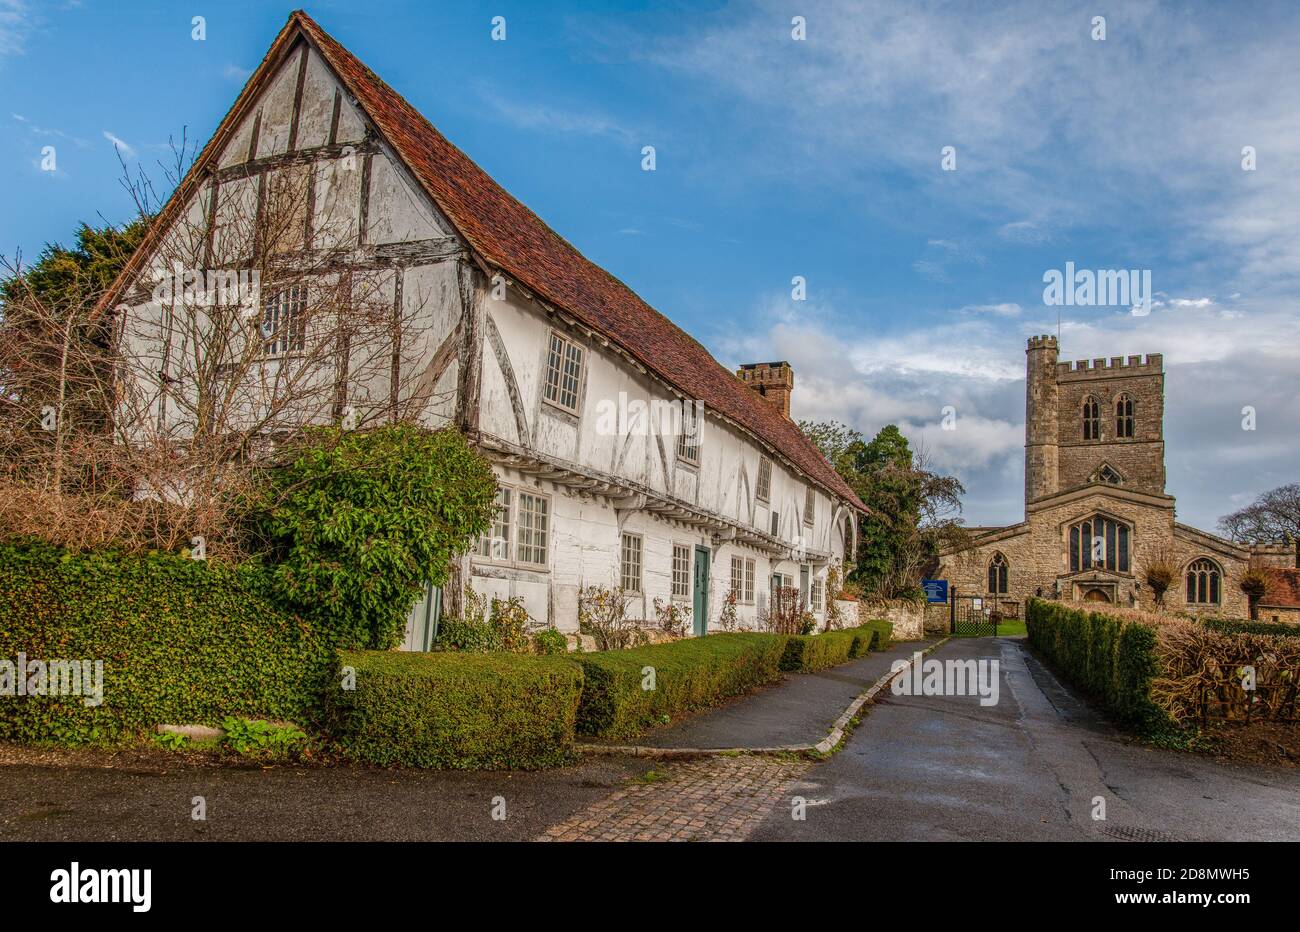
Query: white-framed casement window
[[742, 579], [776, 523], [681, 572], [809, 505], [763, 490], [629, 563], [564, 360], [818, 594], [532, 523], [495, 544], [284, 321], [688, 441]]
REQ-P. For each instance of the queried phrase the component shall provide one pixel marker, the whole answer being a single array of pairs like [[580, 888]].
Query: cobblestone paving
[[711, 799]]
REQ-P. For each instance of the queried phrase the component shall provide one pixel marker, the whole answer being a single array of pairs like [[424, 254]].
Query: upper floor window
[[1203, 582], [764, 491], [1099, 543], [809, 505], [1091, 419], [776, 523], [284, 321], [563, 373], [1124, 421], [998, 575], [629, 564], [688, 441], [681, 572]]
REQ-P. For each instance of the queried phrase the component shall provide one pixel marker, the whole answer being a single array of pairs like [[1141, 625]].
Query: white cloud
[[1053, 130], [233, 72], [119, 144], [548, 119], [16, 23], [975, 363], [1005, 309]]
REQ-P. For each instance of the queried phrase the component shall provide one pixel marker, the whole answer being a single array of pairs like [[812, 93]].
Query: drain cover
[[1136, 833]]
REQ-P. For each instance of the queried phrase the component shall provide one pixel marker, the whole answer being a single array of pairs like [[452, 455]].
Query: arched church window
[[998, 575], [1124, 416], [1099, 543], [1203, 582], [1091, 419]]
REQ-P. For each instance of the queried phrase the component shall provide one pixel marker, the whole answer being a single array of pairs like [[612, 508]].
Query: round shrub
[[352, 524]]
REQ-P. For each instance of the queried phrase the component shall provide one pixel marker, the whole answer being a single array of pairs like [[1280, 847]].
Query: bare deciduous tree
[[141, 425]]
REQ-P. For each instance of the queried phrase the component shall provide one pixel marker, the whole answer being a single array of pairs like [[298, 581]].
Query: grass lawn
[[1005, 629]]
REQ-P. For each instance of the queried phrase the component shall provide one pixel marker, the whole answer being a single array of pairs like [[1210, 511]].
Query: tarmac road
[[1028, 768]]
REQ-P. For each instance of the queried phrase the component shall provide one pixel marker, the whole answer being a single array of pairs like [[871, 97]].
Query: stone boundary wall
[[908, 618]]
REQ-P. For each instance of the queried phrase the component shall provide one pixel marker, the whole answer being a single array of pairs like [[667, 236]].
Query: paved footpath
[[800, 710], [709, 799]]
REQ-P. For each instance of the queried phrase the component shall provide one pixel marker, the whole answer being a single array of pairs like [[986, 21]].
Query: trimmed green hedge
[[807, 653], [1110, 658], [1275, 628], [882, 633], [691, 674], [455, 710], [181, 641]]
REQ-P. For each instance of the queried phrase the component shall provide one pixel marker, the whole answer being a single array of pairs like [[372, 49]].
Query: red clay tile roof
[[1283, 587], [509, 236]]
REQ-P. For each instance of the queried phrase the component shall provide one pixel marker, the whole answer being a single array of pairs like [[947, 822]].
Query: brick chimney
[[773, 380]]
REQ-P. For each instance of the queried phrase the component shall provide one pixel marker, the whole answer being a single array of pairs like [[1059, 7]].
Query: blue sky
[[818, 158]]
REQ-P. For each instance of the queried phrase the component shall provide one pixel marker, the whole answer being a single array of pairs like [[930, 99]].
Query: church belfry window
[[1124, 416], [1091, 419], [1099, 543], [998, 575], [1203, 582]]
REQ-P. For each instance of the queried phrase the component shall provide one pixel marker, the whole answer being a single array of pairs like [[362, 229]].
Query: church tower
[[1099, 420]]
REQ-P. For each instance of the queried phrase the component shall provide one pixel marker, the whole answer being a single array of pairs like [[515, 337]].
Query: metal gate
[[971, 616]]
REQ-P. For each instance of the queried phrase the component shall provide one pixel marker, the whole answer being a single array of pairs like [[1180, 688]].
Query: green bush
[[687, 675], [1232, 626], [806, 653], [1112, 659], [882, 633], [467, 635], [550, 641], [455, 711], [354, 523], [181, 641]]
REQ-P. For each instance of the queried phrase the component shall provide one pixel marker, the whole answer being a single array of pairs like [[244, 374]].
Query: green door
[[701, 607], [422, 622]]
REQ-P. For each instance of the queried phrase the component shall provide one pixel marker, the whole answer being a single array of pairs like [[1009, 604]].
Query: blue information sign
[[936, 590]]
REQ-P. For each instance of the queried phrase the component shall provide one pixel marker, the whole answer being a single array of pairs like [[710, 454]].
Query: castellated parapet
[[1115, 366]]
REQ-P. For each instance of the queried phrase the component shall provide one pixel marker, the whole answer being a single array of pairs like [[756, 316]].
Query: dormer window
[[764, 491], [563, 373], [688, 441]]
